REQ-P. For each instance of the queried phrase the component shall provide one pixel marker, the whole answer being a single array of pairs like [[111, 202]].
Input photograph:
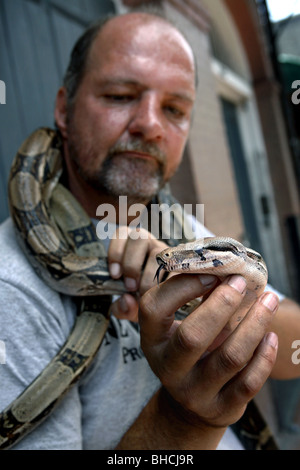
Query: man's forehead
[[134, 31], [134, 22]]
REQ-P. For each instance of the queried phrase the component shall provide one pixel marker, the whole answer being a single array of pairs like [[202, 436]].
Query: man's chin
[[137, 178], [138, 181]]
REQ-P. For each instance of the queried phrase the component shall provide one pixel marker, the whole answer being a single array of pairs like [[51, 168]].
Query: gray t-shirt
[[34, 323]]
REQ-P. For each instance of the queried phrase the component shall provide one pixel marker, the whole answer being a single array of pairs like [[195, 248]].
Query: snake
[[221, 257], [218, 256], [60, 242]]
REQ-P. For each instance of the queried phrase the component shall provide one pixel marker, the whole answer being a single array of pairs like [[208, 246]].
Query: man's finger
[[159, 304], [195, 334], [115, 252], [126, 308], [238, 349], [253, 376]]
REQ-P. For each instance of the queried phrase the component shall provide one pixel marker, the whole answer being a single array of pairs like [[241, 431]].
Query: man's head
[[125, 114]]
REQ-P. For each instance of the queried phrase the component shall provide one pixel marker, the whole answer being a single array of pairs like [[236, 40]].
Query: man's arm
[[201, 394], [158, 427]]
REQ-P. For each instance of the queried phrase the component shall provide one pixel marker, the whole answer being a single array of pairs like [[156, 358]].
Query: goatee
[[136, 177]]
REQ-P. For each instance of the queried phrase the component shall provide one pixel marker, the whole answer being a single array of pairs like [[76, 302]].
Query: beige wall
[[210, 161]]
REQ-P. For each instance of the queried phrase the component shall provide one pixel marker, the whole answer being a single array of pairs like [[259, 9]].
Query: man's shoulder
[[13, 260], [15, 268], [7, 232]]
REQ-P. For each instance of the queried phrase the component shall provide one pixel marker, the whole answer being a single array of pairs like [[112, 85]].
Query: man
[[124, 121]]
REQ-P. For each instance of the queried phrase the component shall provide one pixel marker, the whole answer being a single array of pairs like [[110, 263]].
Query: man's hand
[[210, 365], [134, 258], [207, 389]]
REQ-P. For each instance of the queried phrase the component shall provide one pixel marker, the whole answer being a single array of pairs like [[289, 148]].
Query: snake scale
[[220, 256], [60, 242]]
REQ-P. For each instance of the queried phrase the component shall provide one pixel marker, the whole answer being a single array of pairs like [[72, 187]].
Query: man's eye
[[119, 98], [175, 112]]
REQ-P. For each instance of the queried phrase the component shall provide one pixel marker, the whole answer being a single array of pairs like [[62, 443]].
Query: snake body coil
[[61, 244]]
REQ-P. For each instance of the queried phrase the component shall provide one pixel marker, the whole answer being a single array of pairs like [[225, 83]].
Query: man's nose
[[147, 119]]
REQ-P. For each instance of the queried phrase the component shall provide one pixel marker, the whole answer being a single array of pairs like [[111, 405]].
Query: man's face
[[130, 120]]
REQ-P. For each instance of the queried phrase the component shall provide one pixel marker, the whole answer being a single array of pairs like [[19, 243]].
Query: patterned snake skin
[[60, 242]]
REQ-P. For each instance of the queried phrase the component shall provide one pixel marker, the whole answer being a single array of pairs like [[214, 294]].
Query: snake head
[[173, 259]]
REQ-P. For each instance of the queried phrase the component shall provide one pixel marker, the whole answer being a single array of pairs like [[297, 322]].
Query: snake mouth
[[161, 267]]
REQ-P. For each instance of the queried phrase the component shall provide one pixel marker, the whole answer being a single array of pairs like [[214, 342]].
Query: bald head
[[114, 30], [134, 26]]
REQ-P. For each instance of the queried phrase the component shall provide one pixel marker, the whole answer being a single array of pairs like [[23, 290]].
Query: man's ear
[[60, 112]]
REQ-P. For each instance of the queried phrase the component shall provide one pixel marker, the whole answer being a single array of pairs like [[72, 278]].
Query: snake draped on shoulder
[[60, 241]]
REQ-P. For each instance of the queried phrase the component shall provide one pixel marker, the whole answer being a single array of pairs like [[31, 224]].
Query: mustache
[[137, 145]]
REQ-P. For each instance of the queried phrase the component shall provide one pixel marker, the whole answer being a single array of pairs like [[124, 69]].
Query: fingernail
[[207, 280], [123, 304], [272, 339], [130, 283], [115, 270], [270, 301], [238, 283]]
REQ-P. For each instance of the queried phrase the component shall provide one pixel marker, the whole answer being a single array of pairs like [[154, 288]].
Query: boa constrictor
[[220, 256], [60, 242]]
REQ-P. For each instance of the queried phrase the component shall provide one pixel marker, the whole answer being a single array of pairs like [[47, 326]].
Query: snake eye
[[200, 253], [226, 246]]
